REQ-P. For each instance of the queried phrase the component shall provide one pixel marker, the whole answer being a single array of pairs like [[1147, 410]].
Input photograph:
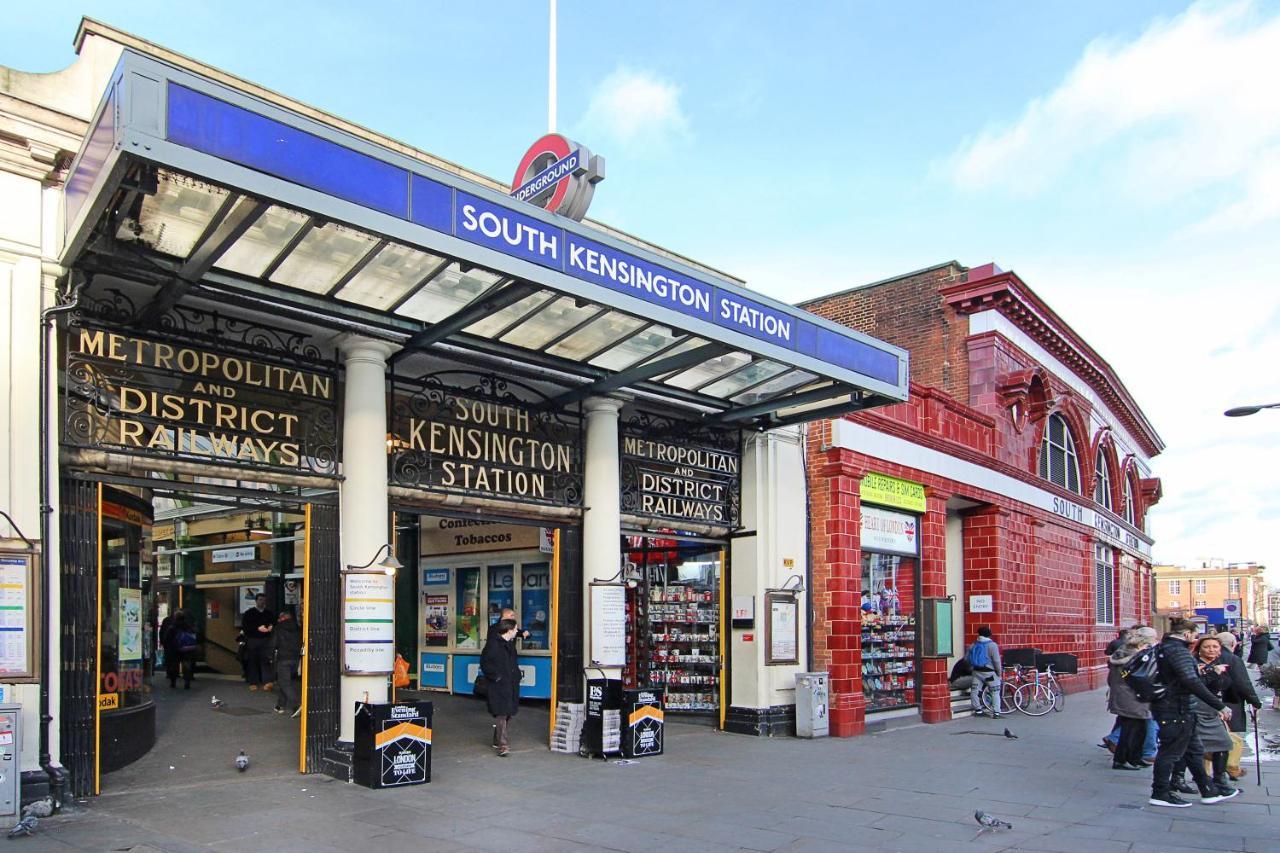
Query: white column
[[363, 493], [601, 495]]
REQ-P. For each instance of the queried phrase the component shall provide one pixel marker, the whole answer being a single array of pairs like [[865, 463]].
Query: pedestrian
[[501, 670], [1211, 728], [1131, 711], [1113, 737], [257, 623], [1240, 692], [984, 657], [508, 613], [1260, 646], [286, 642], [1115, 644], [961, 677], [178, 636], [1172, 710]]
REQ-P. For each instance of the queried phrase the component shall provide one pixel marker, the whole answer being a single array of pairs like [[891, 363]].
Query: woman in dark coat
[[499, 666], [1124, 703], [1241, 689]]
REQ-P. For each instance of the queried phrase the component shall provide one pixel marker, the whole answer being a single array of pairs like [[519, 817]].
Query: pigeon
[[989, 822], [39, 808], [215, 702], [26, 826], [1010, 735], [242, 762]]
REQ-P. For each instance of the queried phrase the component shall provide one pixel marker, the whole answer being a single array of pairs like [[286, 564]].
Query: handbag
[[187, 641], [481, 686]]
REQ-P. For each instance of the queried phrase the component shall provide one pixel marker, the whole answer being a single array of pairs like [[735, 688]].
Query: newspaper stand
[[643, 729], [392, 744], [602, 725]]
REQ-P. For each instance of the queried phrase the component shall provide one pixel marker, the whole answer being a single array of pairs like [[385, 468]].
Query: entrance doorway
[[165, 586]]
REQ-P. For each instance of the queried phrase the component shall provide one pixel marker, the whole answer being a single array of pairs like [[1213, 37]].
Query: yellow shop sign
[[890, 491]]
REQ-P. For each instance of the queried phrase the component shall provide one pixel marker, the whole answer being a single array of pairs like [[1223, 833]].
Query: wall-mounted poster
[[246, 598], [608, 624], [435, 629], [129, 639], [784, 628], [15, 615], [468, 596]]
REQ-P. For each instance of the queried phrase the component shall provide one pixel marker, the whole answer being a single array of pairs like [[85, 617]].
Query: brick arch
[[1064, 403], [1102, 440], [1131, 477]]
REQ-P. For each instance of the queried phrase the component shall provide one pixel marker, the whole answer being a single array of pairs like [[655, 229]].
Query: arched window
[[1102, 482], [1058, 463], [1129, 514]]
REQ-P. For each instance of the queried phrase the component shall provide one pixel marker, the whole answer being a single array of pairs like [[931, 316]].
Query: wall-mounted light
[[787, 587], [388, 564]]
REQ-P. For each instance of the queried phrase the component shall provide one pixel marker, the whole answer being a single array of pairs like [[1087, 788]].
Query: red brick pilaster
[[841, 561], [935, 693], [984, 535]]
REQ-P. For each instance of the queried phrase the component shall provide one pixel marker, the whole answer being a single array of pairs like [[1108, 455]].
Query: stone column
[[601, 495], [363, 492], [935, 692]]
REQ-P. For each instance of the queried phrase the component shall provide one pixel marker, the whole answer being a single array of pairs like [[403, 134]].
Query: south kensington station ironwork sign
[[477, 434]]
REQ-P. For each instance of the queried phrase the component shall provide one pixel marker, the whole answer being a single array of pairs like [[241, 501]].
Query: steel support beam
[[744, 413], [478, 310], [642, 372]]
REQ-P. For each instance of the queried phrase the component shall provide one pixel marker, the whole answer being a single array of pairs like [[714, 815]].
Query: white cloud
[[635, 108], [1188, 105]]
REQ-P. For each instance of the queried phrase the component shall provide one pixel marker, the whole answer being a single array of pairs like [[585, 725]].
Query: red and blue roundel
[[559, 175]]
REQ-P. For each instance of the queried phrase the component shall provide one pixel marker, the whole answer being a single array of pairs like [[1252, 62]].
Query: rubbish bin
[[643, 728], [811, 704], [393, 744]]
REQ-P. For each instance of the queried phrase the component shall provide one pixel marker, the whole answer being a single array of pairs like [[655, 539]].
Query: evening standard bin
[[811, 704], [645, 723], [392, 744]]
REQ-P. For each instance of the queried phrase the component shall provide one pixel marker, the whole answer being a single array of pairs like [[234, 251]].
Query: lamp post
[[1243, 411]]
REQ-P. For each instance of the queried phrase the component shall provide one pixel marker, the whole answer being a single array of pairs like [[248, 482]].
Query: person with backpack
[[1130, 711], [180, 645], [1169, 689], [984, 657]]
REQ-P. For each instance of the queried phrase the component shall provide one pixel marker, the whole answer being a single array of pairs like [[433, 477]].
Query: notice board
[[608, 624]]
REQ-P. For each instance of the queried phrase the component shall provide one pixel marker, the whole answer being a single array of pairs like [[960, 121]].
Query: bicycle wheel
[[1059, 697], [1033, 700]]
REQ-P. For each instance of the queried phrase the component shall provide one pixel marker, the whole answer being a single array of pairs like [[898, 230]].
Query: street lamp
[[1242, 411], [389, 564]]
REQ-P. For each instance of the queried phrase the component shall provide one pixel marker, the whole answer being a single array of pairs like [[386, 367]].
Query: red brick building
[[1016, 479]]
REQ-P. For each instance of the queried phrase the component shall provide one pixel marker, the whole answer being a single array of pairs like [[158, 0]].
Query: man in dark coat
[[500, 668], [1241, 689], [257, 623], [1172, 711], [1259, 646], [286, 641]]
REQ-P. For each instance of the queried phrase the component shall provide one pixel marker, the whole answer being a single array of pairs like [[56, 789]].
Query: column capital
[[357, 348], [593, 405]]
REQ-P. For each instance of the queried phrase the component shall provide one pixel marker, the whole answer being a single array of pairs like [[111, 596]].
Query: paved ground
[[908, 789]]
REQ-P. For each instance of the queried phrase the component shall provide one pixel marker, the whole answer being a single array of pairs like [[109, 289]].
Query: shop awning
[[228, 197]]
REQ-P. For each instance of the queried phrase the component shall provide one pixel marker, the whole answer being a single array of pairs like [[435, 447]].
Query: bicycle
[[1013, 678], [1039, 696]]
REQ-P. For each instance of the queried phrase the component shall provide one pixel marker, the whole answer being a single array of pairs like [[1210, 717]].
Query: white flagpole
[[551, 74]]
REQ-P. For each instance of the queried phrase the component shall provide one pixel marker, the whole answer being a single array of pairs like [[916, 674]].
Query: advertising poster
[[501, 594], [246, 599], [129, 639], [13, 615], [435, 631], [468, 627]]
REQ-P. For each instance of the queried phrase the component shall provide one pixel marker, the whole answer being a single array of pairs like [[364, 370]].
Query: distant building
[[1208, 585], [1273, 607]]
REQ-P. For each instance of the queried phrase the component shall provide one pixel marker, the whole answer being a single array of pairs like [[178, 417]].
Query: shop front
[[528, 411]]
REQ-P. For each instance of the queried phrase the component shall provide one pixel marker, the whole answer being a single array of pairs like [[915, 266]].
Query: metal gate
[[79, 532], [322, 597]]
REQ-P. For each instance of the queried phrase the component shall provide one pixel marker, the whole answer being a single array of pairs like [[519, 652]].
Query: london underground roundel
[[559, 175]]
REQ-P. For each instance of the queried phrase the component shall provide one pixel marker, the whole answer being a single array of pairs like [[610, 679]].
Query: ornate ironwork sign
[[200, 388], [680, 472], [468, 433]]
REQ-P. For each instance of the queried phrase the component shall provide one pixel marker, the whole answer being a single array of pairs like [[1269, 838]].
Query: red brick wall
[[910, 313]]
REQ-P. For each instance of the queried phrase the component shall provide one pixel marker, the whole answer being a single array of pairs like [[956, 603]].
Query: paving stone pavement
[[907, 789]]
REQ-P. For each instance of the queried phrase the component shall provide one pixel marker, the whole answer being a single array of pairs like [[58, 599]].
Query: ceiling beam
[[680, 361], [491, 303], [744, 413]]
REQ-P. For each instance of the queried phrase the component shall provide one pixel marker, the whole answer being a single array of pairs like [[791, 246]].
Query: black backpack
[[1142, 674]]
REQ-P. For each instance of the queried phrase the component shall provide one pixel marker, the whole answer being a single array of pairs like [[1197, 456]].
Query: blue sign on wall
[[433, 577]]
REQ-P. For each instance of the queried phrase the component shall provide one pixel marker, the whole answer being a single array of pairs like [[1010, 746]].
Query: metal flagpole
[[551, 73]]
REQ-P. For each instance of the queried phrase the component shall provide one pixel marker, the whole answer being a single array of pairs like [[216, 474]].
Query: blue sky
[[1123, 158]]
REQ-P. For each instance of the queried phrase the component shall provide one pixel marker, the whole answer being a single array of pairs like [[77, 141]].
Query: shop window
[[1175, 587], [673, 624], [1102, 483], [535, 604], [1104, 585], [890, 581], [1202, 587], [1129, 513], [467, 604], [501, 593], [1058, 462], [125, 589]]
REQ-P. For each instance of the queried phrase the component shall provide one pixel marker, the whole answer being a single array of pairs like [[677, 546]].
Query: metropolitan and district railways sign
[[681, 480], [148, 396]]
